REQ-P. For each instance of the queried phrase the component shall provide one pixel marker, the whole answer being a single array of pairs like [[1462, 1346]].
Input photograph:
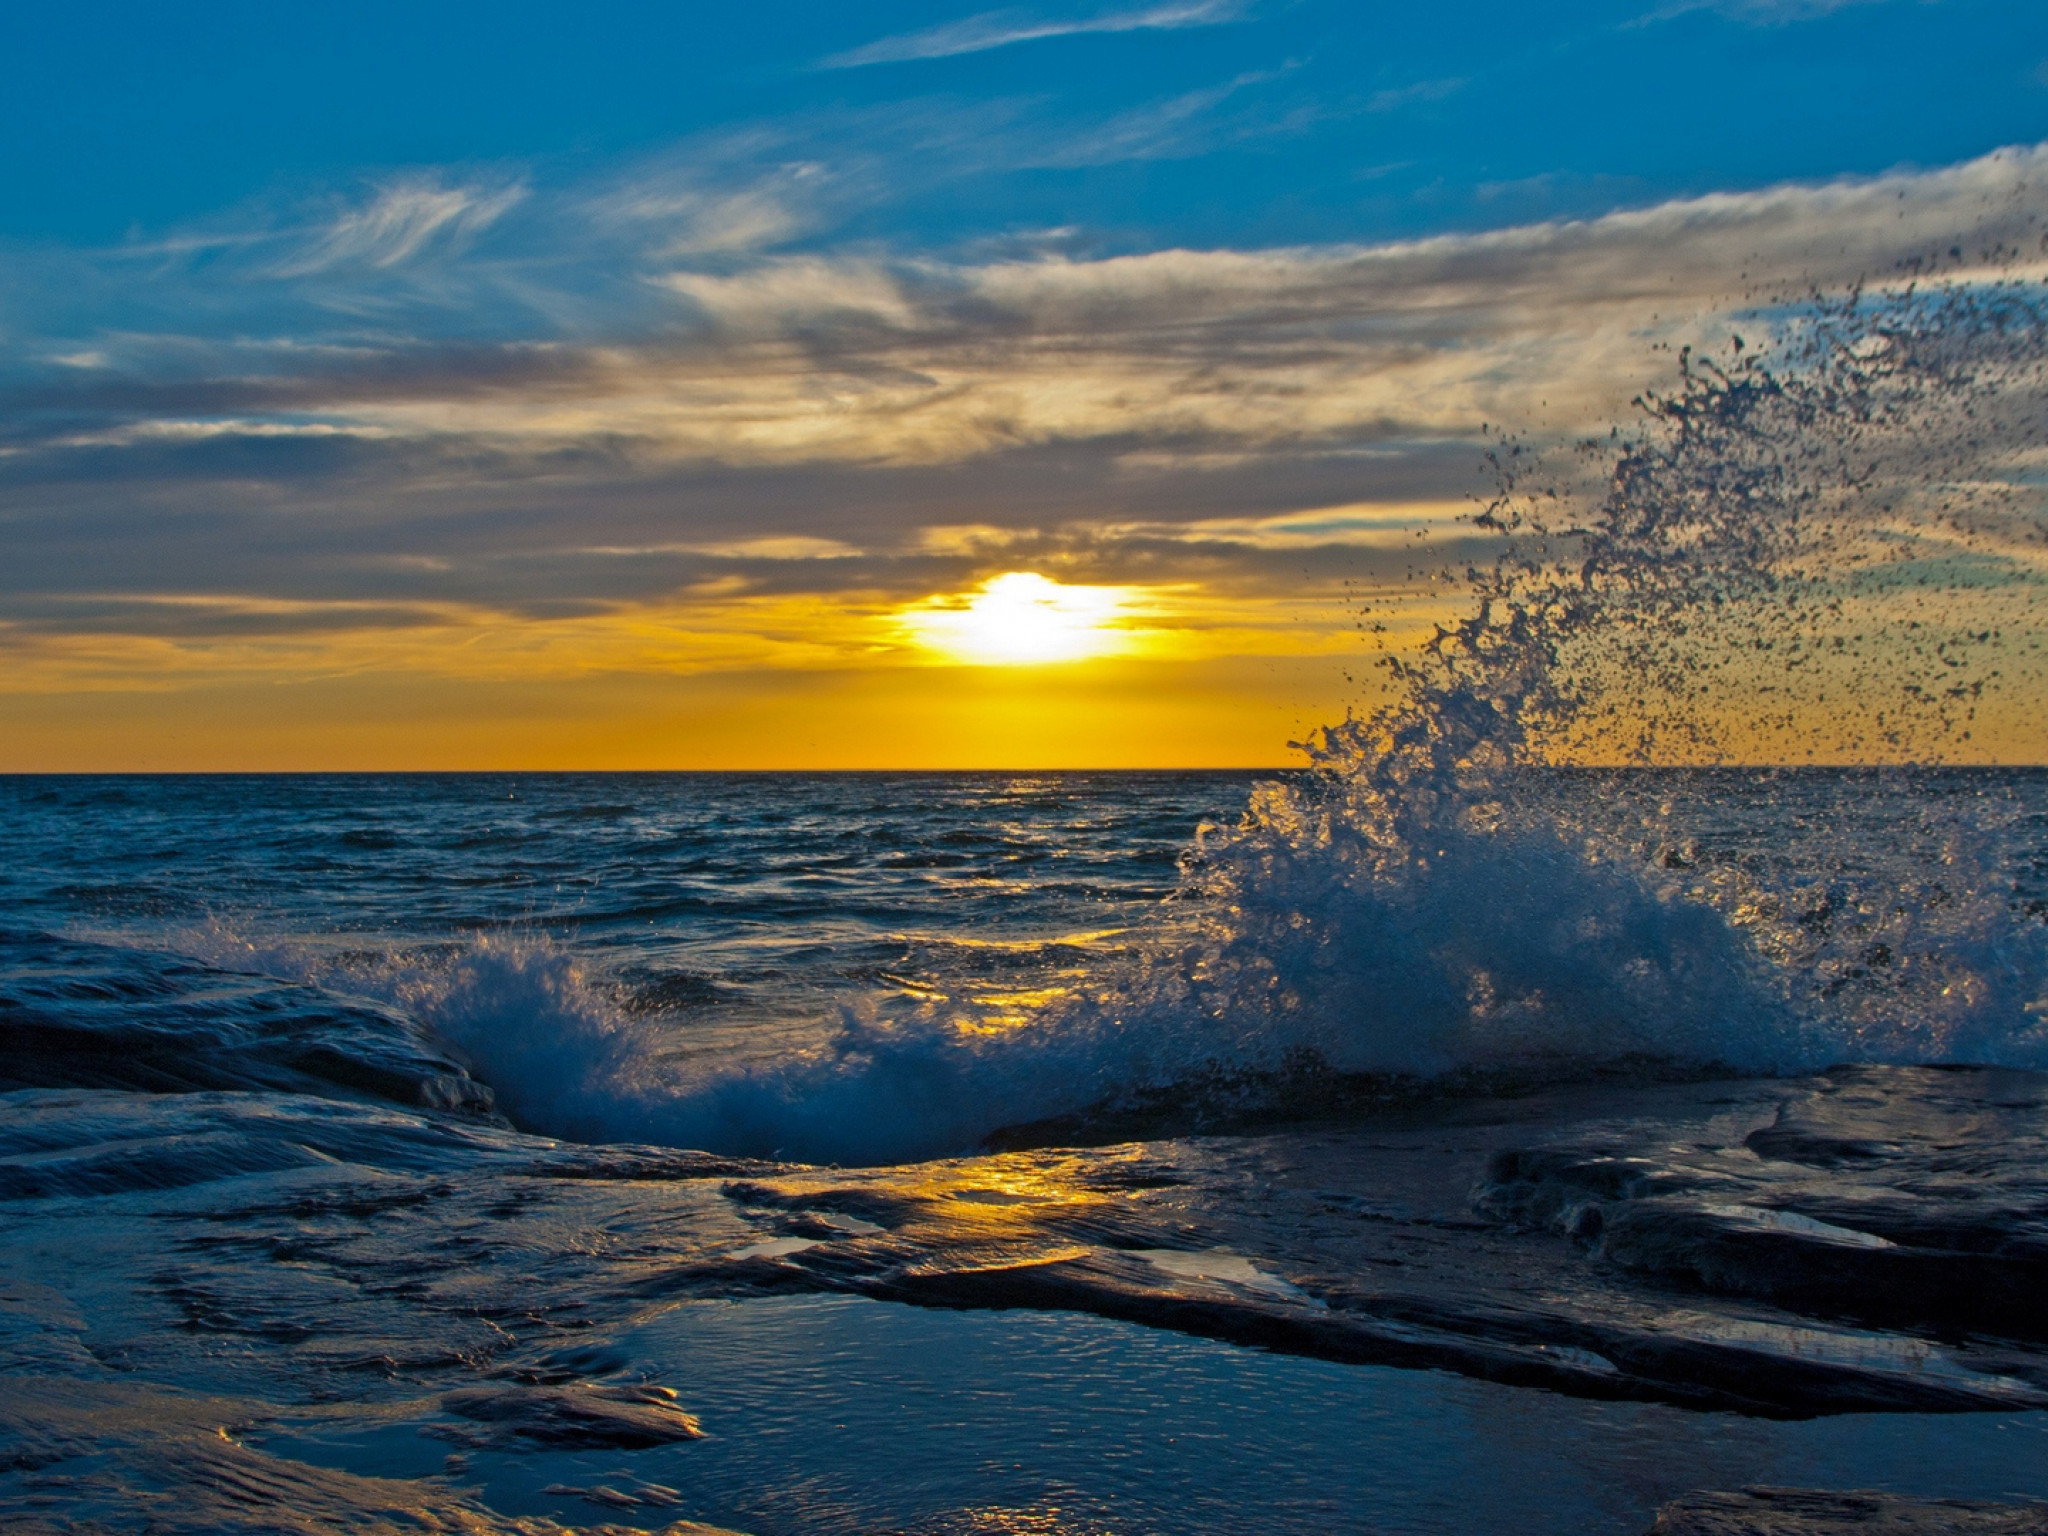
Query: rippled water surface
[[706, 897]]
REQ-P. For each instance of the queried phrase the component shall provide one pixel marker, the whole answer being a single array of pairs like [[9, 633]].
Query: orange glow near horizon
[[1017, 670], [1237, 712]]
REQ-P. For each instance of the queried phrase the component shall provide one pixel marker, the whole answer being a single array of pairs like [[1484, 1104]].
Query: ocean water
[[873, 968], [1517, 1117], [336, 1098], [870, 968]]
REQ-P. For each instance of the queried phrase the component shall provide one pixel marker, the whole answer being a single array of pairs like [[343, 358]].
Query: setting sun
[[1023, 619]]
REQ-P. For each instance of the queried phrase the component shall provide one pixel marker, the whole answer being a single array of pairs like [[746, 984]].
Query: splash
[[1827, 552], [1541, 859], [567, 1055], [1799, 555]]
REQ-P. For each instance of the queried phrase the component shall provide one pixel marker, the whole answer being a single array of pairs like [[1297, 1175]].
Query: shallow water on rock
[[531, 1330]]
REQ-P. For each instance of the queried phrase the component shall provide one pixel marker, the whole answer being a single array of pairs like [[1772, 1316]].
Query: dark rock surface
[[580, 1416], [1909, 1198], [1827, 1512], [108, 1457], [1764, 1247], [75, 1014], [1657, 1243]]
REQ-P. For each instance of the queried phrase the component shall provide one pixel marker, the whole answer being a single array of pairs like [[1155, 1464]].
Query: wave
[[1310, 969], [569, 1055], [78, 1014], [1790, 556]]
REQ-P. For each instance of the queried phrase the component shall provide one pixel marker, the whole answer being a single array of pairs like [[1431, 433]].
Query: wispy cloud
[[401, 220], [1396, 97], [1183, 125], [775, 423], [1002, 29], [1761, 13], [807, 291], [744, 193]]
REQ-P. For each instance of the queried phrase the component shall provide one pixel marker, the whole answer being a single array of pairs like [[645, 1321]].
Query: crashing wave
[[1821, 550]]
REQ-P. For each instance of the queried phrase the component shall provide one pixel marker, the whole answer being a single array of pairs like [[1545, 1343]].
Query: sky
[[689, 386]]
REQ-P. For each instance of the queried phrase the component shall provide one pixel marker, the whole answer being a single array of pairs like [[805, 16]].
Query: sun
[[1021, 619]]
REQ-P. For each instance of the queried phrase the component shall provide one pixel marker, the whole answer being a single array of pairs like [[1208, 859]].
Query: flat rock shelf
[[181, 1272]]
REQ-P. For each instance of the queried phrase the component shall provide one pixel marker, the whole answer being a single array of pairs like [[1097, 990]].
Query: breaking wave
[[1535, 860]]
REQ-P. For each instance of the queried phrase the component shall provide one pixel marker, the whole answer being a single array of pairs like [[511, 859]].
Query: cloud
[[655, 428], [1002, 29], [803, 291], [773, 548], [510, 253], [402, 220], [1761, 13], [864, 359], [735, 194], [1396, 97], [752, 359], [1180, 126]]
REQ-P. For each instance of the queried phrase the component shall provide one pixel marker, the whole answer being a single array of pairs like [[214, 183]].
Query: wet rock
[[583, 1417], [1629, 1242], [635, 1496], [113, 1456], [1675, 1281], [1908, 1197], [1826, 1512], [83, 1015]]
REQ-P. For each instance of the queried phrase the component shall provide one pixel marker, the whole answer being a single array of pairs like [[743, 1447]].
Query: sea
[[794, 1153]]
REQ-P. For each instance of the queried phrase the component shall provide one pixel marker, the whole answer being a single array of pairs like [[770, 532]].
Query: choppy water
[[608, 951], [869, 968]]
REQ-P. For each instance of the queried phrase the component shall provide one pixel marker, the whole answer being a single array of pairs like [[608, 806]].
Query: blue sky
[[366, 340], [1145, 123]]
